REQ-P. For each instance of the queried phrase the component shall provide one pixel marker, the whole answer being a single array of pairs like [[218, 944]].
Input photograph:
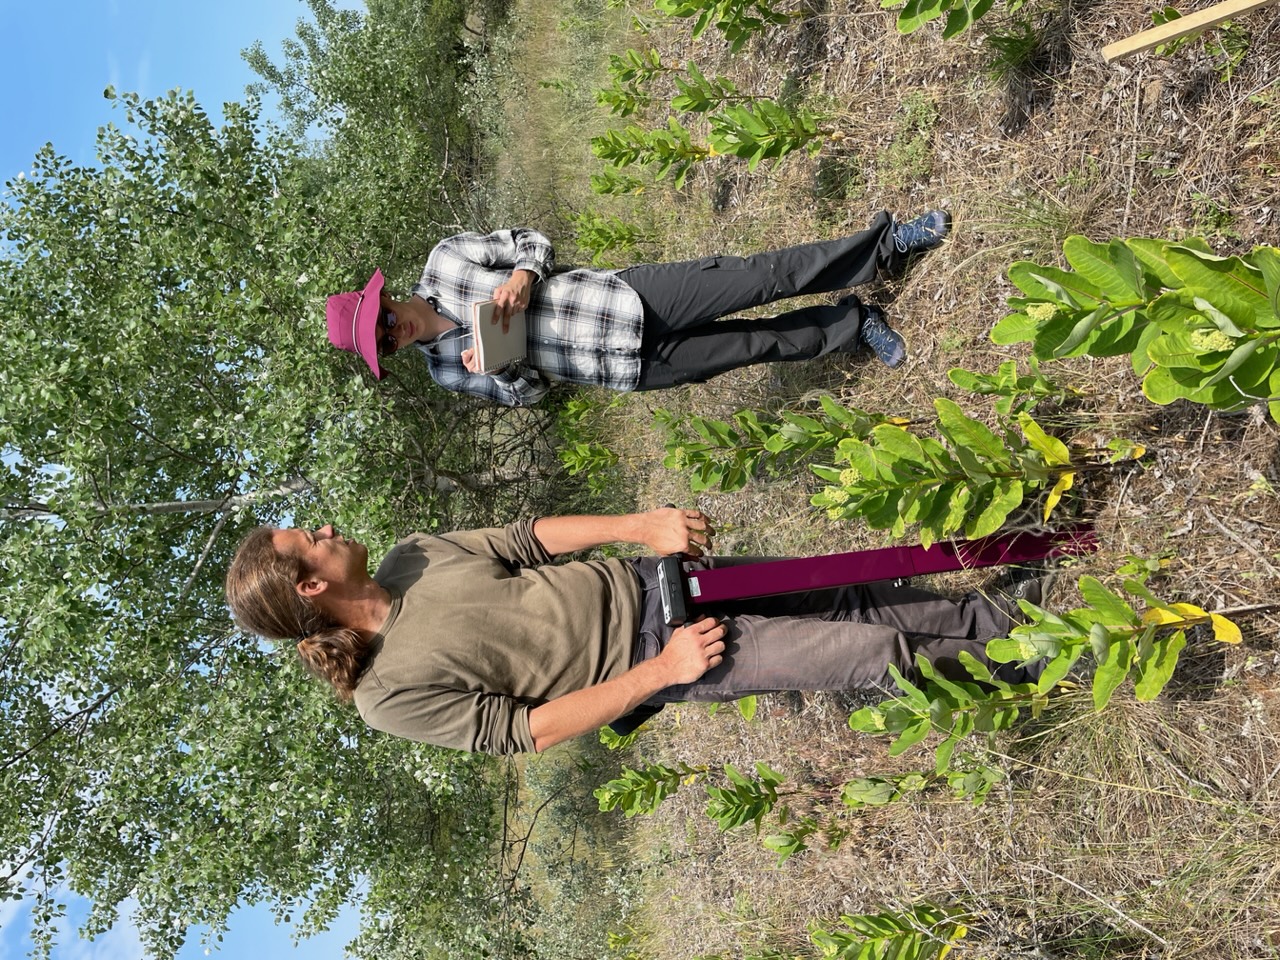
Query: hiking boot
[[923, 233], [1029, 582], [886, 343]]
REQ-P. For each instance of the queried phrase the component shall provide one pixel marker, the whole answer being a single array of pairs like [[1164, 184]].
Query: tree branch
[[37, 509]]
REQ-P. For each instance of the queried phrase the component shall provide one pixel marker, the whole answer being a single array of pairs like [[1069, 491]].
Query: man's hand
[[512, 297], [469, 360], [672, 530], [693, 649]]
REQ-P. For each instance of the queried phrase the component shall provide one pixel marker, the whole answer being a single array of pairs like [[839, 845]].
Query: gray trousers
[[685, 341], [842, 639]]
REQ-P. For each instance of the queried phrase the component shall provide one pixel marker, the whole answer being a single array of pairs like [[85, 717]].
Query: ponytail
[[337, 655], [262, 592]]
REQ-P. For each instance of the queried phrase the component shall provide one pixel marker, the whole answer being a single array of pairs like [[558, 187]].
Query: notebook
[[495, 349]]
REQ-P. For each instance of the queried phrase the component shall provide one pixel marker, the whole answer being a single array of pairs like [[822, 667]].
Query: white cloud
[[121, 942], [13, 928], [8, 910]]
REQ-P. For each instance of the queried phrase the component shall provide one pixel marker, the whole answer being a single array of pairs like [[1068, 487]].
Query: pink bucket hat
[[353, 317]]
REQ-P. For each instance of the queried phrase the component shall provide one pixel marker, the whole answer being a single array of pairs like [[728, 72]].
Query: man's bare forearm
[[586, 710], [692, 650], [667, 530]]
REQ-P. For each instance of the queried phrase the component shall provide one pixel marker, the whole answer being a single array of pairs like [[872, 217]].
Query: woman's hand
[[513, 296]]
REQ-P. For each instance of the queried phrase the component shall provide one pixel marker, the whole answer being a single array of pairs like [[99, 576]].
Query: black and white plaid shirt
[[584, 325]]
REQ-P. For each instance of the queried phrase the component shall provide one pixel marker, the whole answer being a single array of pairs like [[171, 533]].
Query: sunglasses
[[386, 322]]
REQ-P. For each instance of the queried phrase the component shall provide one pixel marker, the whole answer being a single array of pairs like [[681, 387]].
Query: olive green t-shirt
[[483, 627]]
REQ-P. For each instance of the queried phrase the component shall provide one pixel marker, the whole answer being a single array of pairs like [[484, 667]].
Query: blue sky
[[59, 56]]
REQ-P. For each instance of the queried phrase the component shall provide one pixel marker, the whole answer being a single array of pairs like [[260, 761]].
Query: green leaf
[[1055, 452], [1007, 497], [1152, 254], [868, 792], [910, 737], [917, 13], [966, 380], [914, 694], [1178, 350], [1111, 672], [1219, 319], [1070, 289], [1057, 668], [1159, 387], [1014, 328], [1128, 270], [1082, 330], [959, 18], [768, 775], [1228, 282], [1096, 262], [1233, 363], [968, 433], [1158, 667], [867, 720], [1267, 261], [1111, 606], [895, 443], [1023, 647]]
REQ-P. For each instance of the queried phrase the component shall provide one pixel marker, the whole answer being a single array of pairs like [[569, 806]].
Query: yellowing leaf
[[960, 932], [1053, 450], [1174, 613], [1224, 631], [1064, 484]]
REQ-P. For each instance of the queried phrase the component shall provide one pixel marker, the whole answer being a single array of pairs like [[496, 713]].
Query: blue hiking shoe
[[886, 343], [923, 233]]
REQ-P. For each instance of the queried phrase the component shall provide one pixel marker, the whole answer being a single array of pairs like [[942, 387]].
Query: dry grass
[[1150, 830]]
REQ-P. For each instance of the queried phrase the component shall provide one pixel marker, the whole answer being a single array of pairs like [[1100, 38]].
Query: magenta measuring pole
[[772, 577]]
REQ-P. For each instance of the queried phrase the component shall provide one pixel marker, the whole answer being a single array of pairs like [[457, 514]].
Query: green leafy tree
[[165, 384], [384, 92]]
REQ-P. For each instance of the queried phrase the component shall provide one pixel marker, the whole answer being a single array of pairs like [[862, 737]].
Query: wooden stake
[[1180, 27]]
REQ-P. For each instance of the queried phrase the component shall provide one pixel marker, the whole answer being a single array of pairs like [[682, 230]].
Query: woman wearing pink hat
[[643, 328]]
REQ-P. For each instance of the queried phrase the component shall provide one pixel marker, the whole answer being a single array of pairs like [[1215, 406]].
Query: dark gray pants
[[685, 341], [842, 639]]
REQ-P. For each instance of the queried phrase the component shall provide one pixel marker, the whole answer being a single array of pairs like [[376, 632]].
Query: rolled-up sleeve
[[516, 249], [470, 720], [519, 385]]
